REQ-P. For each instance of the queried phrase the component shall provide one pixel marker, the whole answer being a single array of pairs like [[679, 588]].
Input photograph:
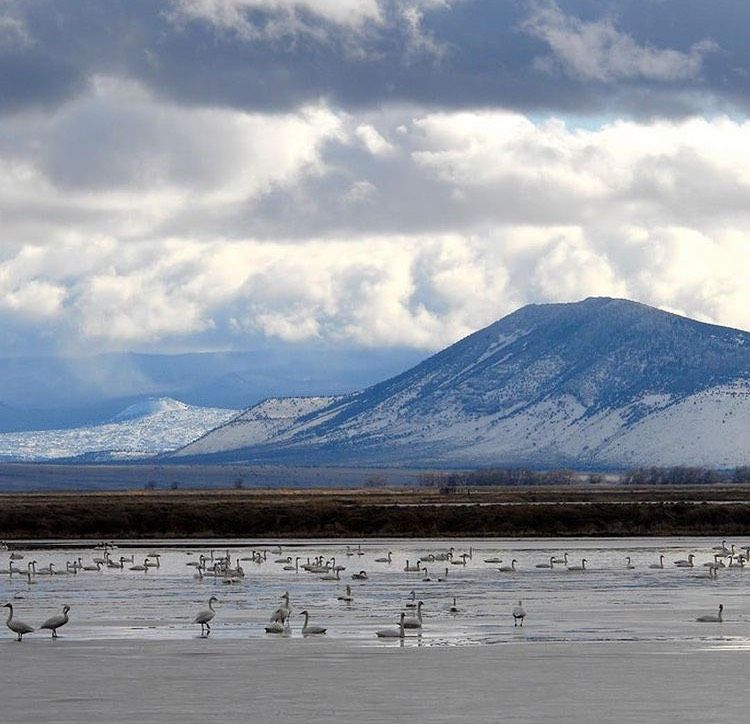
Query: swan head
[[66, 608], [214, 599], [721, 607], [7, 605]]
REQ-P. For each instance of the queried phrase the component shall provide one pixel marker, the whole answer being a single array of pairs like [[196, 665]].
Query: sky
[[195, 175]]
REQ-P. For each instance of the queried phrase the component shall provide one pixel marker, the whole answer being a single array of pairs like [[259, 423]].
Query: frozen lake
[[610, 633]]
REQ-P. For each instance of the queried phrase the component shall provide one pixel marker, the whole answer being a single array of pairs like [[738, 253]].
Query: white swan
[[139, 567], [414, 621], [17, 627], [55, 622], [493, 560], [361, 576], [519, 614], [282, 613], [391, 633], [550, 564], [412, 603], [660, 564], [276, 627], [563, 560], [509, 569], [416, 568], [685, 562], [711, 618], [582, 567], [205, 617], [628, 564], [454, 608], [387, 559], [308, 628], [346, 597]]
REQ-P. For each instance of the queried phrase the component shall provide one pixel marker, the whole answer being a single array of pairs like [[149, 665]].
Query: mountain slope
[[145, 428], [602, 382]]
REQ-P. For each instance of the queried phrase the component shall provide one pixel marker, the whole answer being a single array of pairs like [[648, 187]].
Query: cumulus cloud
[[598, 51], [130, 221]]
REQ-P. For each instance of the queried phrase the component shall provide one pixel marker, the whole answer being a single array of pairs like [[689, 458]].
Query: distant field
[[398, 512]]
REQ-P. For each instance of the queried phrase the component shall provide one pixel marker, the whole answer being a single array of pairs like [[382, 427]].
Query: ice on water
[[607, 602]]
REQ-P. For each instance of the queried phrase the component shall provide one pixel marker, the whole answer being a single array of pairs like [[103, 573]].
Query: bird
[[392, 633], [139, 567], [711, 618], [55, 622], [415, 620], [628, 564], [685, 562], [563, 560], [384, 560], [17, 627], [308, 628], [582, 567], [205, 617], [454, 608], [660, 564], [509, 569], [550, 564], [519, 614], [282, 613], [276, 627], [412, 603], [361, 576], [347, 597], [493, 560]]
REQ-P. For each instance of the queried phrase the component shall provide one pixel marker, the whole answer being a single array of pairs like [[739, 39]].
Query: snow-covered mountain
[[602, 382], [148, 427]]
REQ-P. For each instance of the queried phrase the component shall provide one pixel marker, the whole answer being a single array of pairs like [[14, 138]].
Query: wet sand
[[313, 680]]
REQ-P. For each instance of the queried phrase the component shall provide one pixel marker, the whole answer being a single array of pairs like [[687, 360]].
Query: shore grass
[[396, 512]]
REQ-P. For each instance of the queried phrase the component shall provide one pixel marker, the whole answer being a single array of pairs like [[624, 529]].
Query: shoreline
[[556, 511]]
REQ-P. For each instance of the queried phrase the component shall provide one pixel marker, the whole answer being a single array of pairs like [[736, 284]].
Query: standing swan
[[205, 617], [710, 618], [415, 620], [55, 622], [519, 614], [16, 626], [308, 628], [392, 633]]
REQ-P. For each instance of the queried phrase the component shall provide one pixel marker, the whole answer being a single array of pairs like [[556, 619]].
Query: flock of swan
[[224, 569]]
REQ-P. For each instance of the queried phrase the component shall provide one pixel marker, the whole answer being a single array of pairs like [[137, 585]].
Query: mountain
[[598, 383], [146, 428], [44, 393]]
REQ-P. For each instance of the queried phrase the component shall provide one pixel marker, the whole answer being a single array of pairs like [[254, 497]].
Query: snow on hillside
[[146, 428], [603, 382], [259, 424]]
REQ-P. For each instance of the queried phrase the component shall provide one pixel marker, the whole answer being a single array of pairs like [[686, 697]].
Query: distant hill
[[598, 383], [147, 428]]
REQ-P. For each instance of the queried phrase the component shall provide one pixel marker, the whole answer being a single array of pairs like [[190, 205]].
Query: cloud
[[134, 222], [598, 51]]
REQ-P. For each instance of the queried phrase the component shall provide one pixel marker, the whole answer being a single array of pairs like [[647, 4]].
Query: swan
[[308, 628], [282, 613], [416, 568], [563, 560], [55, 622], [412, 603], [414, 621], [205, 617], [445, 577], [723, 547], [16, 556], [347, 597], [16, 626], [493, 560], [582, 567], [96, 567], [139, 567], [550, 564], [387, 559], [628, 564], [295, 567], [711, 618], [392, 633], [519, 614], [453, 608], [331, 577], [509, 569], [685, 563], [361, 576], [660, 564]]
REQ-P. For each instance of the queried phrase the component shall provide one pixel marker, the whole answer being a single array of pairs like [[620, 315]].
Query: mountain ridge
[[550, 384]]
